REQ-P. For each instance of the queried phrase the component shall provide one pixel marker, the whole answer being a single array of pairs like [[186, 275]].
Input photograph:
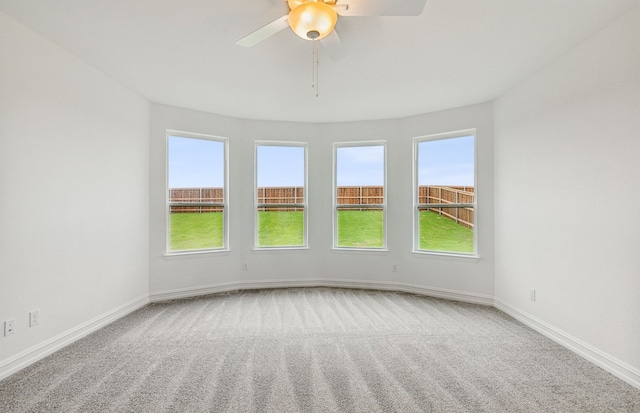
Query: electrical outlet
[[9, 327], [532, 295], [34, 318], [394, 268], [245, 267]]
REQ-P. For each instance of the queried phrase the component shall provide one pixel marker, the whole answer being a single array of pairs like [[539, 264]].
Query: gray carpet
[[315, 350]]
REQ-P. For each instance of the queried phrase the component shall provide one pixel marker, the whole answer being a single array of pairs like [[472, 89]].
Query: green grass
[[280, 228], [438, 233], [359, 229], [193, 231]]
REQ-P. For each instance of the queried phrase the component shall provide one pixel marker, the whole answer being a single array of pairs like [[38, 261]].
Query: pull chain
[[314, 68]]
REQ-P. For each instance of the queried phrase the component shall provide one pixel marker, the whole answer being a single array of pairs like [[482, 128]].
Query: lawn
[[280, 228], [438, 233], [355, 229], [360, 229], [193, 231]]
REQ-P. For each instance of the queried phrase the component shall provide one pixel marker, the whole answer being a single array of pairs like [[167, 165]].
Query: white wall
[[169, 276], [73, 194], [567, 173]]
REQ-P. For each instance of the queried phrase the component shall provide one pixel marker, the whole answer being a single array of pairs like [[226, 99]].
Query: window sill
[[267, 250], [339, 250], [446, 256], [195, 254]]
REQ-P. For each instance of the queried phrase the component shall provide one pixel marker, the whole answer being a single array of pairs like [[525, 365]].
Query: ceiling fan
[[316, 19]]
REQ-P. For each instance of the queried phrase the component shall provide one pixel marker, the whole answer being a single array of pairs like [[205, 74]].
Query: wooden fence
[[360, 195], [195, 195], [346, 195], [449, 195], [281, 195]]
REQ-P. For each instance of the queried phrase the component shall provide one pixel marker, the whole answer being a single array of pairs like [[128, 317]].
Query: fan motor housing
[[294, 3]]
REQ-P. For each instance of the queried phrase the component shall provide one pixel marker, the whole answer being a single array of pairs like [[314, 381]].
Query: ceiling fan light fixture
[[312, 20]]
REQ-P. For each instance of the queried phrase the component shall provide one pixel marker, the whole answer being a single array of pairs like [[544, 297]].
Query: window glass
[[360, 196], [196, 193], [445, 194], [280, 195]]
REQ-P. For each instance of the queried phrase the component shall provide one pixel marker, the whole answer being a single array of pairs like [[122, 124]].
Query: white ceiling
[[183, 53]]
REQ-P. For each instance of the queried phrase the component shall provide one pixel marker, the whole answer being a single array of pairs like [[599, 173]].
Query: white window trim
[[224, 204], [335, 246], [415, 205], [304, 205]]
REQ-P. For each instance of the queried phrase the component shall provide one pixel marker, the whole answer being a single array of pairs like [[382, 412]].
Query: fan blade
[[380, 7], [333, 46], [264, 32]]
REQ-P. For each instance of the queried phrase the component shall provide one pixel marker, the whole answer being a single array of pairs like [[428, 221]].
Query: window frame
[[225, 198], [336, 206], [304, 204], [416, 193]]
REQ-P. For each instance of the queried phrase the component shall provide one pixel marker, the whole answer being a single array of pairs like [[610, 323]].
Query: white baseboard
[[601, 359], [41, 350], [322, 282]]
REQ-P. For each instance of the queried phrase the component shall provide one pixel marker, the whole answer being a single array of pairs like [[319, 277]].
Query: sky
[[197, 163], [280, 166], [446, 162], [360, 165]]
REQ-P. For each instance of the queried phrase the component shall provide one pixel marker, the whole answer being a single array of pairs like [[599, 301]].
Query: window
[[197, 192], [281, 195], [360, 196], [445, 196]]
